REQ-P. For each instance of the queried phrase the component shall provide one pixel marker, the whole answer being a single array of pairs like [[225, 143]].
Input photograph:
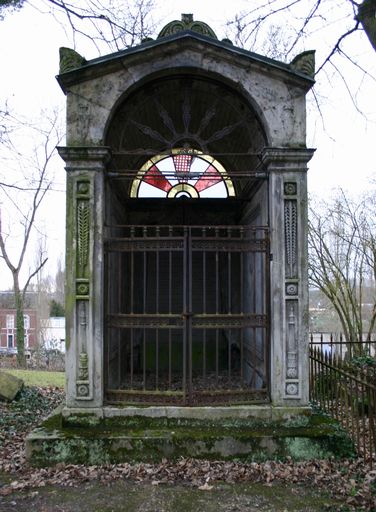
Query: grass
[[39, 378]]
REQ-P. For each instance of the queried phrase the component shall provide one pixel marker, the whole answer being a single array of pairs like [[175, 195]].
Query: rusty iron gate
[[187, 318]]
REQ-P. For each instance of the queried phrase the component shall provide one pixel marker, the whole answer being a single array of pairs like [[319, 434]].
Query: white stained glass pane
[[146, 190], [10, 321], [217, 190], [199, 166], [26, 322]]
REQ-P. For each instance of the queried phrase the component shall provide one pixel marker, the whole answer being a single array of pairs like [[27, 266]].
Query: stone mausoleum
[[186, 287]]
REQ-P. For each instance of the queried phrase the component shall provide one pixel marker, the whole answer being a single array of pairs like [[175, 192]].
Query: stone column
[[289, 370], [84, 274]]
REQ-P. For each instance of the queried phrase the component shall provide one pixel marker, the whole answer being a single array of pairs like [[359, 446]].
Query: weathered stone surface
[[137, 438], [191, 89], [9, 386]]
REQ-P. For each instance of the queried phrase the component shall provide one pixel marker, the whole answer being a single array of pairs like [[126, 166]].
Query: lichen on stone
[[70, 59], [305, 63]]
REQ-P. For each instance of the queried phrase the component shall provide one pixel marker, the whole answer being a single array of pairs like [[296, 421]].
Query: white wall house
[[52, 333]]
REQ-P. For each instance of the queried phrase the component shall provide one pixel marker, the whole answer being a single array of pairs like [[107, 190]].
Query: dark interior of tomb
[[184, 283]]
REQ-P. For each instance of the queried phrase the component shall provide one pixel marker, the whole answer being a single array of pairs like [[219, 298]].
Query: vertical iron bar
[[242, 255], [157, 233], [131, 309], [169, 309], [216, 309], [229, 304], [204, 307], [185, 333], [119, 311], [267, 306], [144, 330], [189, 322], [156, 358]]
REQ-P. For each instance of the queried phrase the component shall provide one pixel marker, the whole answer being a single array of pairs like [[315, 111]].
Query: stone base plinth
[[106, 437]]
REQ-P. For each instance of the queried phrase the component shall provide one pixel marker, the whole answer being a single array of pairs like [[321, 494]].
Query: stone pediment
[[189, 45]]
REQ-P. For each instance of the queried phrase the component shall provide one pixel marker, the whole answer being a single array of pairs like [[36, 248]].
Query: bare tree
[[9, 5], [107, 24], [303, 17], [342, 263], [21, 200]]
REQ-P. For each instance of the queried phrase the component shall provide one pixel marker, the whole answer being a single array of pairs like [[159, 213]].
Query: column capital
[[286, 159], [85, 158]]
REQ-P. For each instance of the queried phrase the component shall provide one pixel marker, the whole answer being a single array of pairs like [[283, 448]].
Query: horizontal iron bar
[[177, 244], [199, 321], [151, 152], [228, 320], [211, 227], [131, 174], [167, 321], [153, 392]]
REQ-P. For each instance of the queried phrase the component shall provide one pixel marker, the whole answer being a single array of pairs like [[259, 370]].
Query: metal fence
[[343, 384]]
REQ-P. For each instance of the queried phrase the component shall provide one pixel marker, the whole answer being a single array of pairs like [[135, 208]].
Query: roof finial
[[187, 23]]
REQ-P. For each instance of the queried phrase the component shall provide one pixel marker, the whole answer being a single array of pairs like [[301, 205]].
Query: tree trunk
[[367, 18], [20, 327]]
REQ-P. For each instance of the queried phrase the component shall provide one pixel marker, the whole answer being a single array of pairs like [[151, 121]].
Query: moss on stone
[[87, 439]]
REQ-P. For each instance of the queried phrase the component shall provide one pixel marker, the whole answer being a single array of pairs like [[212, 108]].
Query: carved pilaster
[[85, 166], [84, 192], [292, 274]]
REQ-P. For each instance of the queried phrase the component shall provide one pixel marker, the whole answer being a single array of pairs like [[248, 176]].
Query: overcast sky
[[344, 136]]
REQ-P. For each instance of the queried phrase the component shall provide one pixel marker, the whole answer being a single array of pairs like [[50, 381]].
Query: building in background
[[52, 334], [8, 330]]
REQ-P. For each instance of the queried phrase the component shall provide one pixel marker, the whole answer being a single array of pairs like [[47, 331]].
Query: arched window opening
[[183, 174]]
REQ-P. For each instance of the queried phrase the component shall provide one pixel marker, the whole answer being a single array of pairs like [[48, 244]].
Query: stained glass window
[[185, 173]]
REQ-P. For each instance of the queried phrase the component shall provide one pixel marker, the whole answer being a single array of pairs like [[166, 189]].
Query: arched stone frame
[[247, 123], [283, 112], [191, 71]]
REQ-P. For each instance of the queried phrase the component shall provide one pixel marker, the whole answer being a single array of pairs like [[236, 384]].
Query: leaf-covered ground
[[350, 483]]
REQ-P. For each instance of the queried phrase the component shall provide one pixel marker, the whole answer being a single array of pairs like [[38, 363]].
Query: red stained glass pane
[[210, 177], [182, 163], [155, 178]]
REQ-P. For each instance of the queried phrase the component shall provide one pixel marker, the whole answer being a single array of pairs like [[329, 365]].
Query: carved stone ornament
[[305, 63], [83, 369], [291, 289], [291, 237], [70, 59], [292, 369], [82, 389], [292, 389], [187, 23], [82, 288], [83, 187], [292, 342], [83, 232], [290, 188]]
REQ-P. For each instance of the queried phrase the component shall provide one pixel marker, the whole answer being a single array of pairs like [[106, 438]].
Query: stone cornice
[[286, 159], [88, 158]]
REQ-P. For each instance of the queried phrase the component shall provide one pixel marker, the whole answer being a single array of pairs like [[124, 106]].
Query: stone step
[[301, 438]]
